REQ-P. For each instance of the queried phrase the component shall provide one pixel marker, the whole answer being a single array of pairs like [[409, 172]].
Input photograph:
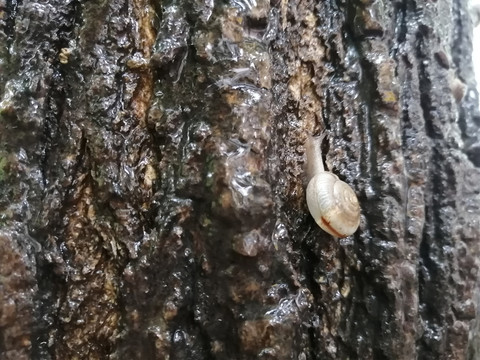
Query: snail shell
[[331, 202], [333, 205]]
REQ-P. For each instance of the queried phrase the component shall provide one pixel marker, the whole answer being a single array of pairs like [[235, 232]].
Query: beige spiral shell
[[333, 204]]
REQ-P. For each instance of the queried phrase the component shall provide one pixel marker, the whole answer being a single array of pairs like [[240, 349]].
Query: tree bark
[[152, 161]]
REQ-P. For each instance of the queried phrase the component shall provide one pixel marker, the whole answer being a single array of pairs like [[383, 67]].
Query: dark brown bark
[[152, 180]]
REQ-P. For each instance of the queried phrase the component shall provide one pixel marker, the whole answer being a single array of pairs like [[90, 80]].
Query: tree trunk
[[152, 160]]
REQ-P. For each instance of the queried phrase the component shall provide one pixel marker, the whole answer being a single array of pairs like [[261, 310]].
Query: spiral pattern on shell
[[333, 204]]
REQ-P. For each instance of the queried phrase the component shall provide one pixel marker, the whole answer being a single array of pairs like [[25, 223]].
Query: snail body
[[331, 202]]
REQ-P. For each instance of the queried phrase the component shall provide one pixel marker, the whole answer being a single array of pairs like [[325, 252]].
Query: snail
[[331, 202]]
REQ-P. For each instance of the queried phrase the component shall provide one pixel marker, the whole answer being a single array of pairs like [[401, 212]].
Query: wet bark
[[152, 160]]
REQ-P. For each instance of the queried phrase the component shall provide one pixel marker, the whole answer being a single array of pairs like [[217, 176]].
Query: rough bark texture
[[152, 180]]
